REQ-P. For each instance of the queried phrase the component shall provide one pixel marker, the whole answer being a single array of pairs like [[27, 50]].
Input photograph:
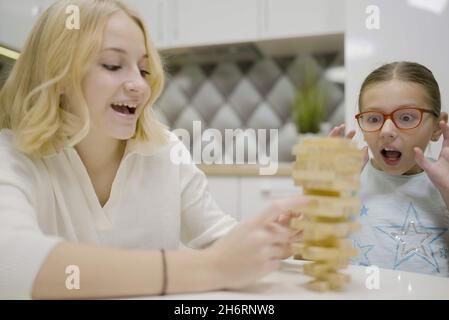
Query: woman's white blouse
[[154, 203]]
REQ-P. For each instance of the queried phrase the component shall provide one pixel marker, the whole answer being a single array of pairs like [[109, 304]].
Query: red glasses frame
[[391, 117]]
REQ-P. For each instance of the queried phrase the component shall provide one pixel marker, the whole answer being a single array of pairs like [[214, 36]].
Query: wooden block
[[324, 193], [316, 269], [317, 253], [331, 207], [337, 280], [324, 176], [323, 267], [320, 230], [336, 185], [337, 251], [344, 164], [317, 285], [297, 248], [298, 257], [337, 229], [328, 170], [322, 144]]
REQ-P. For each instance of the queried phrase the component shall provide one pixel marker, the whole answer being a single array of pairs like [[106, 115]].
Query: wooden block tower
[[328, 169]]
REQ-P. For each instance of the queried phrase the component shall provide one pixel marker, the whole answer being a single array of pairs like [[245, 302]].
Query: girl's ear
[[437, 132]]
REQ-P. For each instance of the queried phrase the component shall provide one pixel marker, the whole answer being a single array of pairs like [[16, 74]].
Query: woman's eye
[[144, 73], [111, 67]]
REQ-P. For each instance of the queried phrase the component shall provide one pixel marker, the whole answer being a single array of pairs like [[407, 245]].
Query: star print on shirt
[[413, 240], [362, 258], [443, 252], [363, 211]]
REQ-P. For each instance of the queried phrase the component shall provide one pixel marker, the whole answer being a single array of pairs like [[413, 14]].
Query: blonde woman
[[86, 179]]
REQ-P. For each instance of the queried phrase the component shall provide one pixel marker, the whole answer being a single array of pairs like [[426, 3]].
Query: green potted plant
[[309, 103]]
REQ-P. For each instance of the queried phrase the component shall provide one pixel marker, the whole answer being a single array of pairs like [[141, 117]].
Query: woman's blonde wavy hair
[[55, 57]]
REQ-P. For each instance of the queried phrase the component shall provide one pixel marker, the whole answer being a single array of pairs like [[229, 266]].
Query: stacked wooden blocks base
[[328, 170]]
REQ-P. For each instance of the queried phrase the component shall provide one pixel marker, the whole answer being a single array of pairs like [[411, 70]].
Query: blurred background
[[291, 65]]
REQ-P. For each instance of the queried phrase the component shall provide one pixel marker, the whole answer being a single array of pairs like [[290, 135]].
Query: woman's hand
[[255, 247], [438, 171], [338, 131], [296, 236]]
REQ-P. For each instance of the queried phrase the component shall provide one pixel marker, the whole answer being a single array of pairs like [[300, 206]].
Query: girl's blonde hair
[[56, 57]]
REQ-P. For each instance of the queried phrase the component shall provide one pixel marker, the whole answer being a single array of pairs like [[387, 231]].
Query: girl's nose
[[388, 130]]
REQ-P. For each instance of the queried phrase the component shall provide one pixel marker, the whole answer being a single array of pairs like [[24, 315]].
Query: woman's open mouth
[[391, 157], [124, 109]]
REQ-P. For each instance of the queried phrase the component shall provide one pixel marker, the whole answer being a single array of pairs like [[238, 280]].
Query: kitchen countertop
[[284, 170]]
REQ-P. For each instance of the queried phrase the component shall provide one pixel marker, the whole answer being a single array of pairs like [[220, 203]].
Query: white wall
[[405, 32]]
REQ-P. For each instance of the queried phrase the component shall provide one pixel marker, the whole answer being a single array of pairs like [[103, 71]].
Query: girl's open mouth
[[391, 157]]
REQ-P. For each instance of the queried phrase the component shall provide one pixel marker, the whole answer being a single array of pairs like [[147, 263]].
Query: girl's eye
[[373, 119], [406, 117], [111, 67]]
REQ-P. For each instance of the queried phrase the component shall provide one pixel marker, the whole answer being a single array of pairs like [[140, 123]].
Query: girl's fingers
[[350, 134], [445, 129], [336, 131], [420, 159]]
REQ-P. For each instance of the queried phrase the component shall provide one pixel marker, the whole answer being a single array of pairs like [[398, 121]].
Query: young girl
[[86, 180], [405, 196]]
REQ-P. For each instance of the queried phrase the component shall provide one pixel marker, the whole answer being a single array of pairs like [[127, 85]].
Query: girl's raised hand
[[437, 171], [338, 131]]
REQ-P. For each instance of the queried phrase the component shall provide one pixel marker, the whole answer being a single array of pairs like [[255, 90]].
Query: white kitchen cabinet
[[188, 23], [206, 22], [156, 15], [17, 19], [256, 193], [299, 18], [225, 191]]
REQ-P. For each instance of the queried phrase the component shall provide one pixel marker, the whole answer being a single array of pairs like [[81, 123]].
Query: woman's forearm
[[249, 251], [108, 272]]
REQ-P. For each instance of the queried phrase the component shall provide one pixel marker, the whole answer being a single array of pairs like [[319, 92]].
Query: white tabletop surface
[[287, 284]]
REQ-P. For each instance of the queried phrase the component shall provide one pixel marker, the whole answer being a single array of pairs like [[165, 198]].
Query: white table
[[287, 284]]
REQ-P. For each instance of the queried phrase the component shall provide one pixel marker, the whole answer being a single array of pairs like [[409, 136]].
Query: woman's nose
[[136, 83], [131, 86]]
